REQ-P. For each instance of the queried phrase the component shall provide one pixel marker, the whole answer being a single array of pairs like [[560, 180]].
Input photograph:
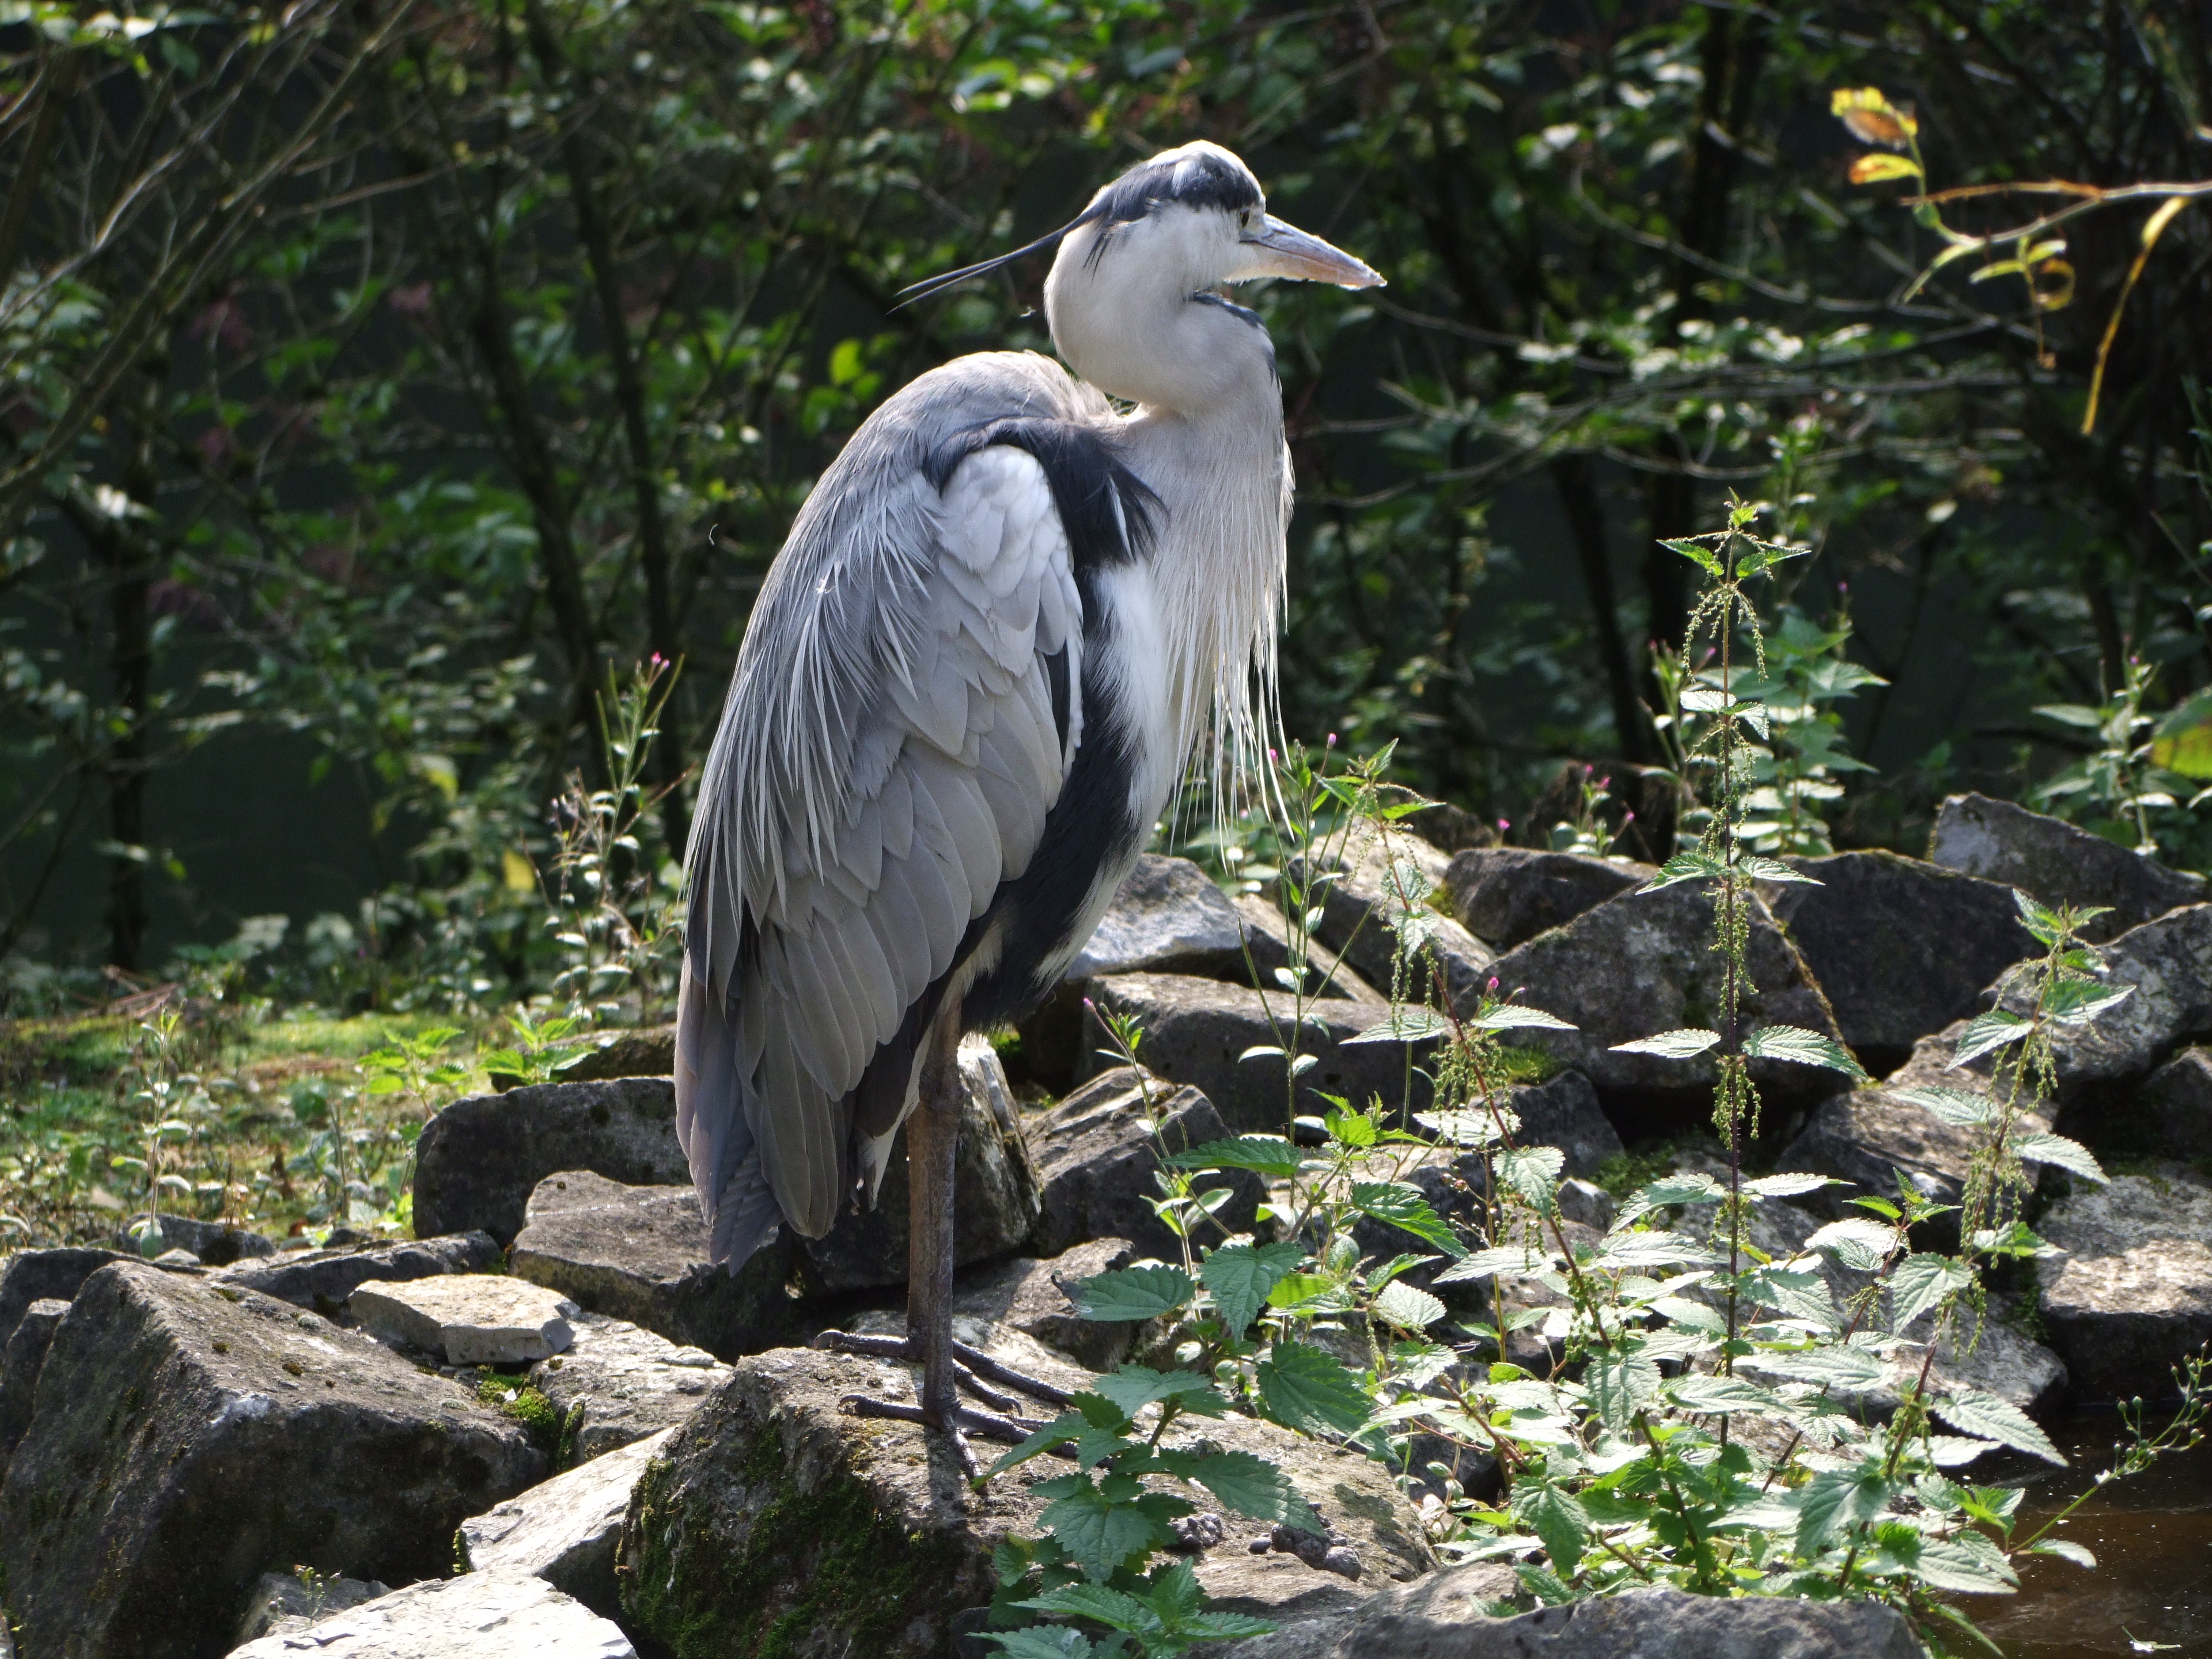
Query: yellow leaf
[[2184, 743], [2051, 285], [1877, 169], [517, 872]]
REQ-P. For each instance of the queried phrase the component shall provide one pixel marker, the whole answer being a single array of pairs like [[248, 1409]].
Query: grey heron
[[1003, 621]]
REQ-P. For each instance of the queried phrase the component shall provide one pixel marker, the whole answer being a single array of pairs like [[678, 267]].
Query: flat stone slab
[[284, 1603], [479, 1159], [649, 1051], [326, 1279], [1506, 895], [2058, 863], [2133, 1291], [565, 1531], [1096, 1155], [473, 1319], [618, 1383], [775, 1519], [639, 1254], [188, 1437], [479, 1615], [1166, 917]]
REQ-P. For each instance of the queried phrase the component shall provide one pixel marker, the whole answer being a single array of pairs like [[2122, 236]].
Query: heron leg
[[932, 1149]]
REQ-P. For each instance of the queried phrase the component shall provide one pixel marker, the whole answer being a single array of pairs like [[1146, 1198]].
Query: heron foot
[[971, 1367], [991, 1425]]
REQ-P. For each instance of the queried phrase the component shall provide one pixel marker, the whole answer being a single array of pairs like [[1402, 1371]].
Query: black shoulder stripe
[[1106, 510]]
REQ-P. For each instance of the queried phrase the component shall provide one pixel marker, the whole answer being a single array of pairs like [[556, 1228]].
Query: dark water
[[2152, 1536]]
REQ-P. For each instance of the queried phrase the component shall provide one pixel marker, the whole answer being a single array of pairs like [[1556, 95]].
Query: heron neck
[[1222, 478]]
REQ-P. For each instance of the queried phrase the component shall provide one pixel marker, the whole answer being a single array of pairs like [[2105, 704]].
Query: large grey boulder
[[2132, 1293], [217, 1243], [648, 1051], [32, 1276], [1444, 1616], [2167, 963], [480, 1158], [22, 1357], [2056, 862], [1506, 895], [994, 1185], [564, 1531], [1374, 874], [1195, 1031], [639, 1254], [618, 1383], [480, 1615], [1900, 947], [1096, 1155], [474, 1319], [776, 1522], [188, 1437], [2175, 1118], [1038, 1298], [1642, 964], [1167, 917], [325, 1280], [1873, 1135]]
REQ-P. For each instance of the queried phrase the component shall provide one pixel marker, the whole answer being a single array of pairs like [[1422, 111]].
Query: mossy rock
[[778, 1526]]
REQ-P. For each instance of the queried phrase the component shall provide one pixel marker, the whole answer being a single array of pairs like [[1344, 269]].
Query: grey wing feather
[[887, 756]]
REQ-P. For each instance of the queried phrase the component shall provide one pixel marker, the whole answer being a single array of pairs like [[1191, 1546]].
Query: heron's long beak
[[1275, 249]]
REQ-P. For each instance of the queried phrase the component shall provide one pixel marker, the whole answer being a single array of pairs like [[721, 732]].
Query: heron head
[[1134, 297]]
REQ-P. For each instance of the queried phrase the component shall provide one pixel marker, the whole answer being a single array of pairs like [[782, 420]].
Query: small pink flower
[[1504, 823], [1493, 985], [1604, 783]]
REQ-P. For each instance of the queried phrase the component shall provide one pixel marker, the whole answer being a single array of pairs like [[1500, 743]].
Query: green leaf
[[1685, 866], [1698, 554], [1860, 1244], [1042, 1642], [1955, 1107], [1713, 1396], [1685, 1044], [1269, 1155], [1099, 1533], [2068, 1155], [1985, 1032], [1240, 1277], [1623, 1251], [1556, 1517], [1766, 869], [1407, 1307], [2065, 1549], [1401, 1205], [1510, 1261], [1107, 1606], [1619, 1387], [1132, 1388], [2078, 1001], [1794, 1042], [1838, 1498], [1514, 1016], [1413, 1023], [1067, 1426], [1788, 1185], [1306, 1388], [1972, 1412], [1853, 1369], [1921, 1282], [1540, 1581], [1252, 1486], [1534, 1172], [1133, 1293]]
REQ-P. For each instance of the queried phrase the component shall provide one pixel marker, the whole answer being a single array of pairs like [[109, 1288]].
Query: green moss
[[531, 1409], [1626, 1172], [811, 1563]]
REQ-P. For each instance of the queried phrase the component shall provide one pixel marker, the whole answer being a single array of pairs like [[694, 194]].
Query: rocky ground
[[545, 1427]]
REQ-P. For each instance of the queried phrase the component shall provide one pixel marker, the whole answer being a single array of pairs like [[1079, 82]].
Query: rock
[[283, 1603], [2177, 1106], [479, 1615], [213, 1243], [1196, 1030], [1359, 908], [1167, 917], [774, 1518], [1900, 947], [176, 1259], [1871, 1136], [565, 1531], [1588, 1203], [1642, 964], [2168, 962], [1096, 1156], [1028, 1295], [1563, 1112], [2133, 1291], [189, 1436], [639, 1254], [618, 1384], [649, 1051], [480, 1158], [2056, 862], [21, 1359], [994, 1187], [326, 1279], [42, 1275], [1506, 895], [1444, 1616], [476, 1319]]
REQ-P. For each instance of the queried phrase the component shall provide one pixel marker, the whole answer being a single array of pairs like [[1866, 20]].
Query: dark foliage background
[[382, 375]]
